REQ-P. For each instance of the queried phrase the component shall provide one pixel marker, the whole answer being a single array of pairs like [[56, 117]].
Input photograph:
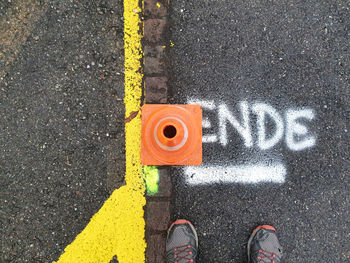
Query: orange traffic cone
[[171, 134]]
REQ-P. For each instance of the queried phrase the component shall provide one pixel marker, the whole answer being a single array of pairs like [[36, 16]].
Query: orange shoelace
[[183, 253], [266, 255]]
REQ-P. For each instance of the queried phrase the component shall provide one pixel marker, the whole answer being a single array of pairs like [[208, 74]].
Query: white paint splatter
[[206, 122], [207, 105], [295, 129], [261, 110], [297, 138], [296, 134], [243, 129], [209, 138], [244, 174]]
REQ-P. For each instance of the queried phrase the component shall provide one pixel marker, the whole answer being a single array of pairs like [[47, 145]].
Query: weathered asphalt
[[61, 115], [288, 55], [61, 106]]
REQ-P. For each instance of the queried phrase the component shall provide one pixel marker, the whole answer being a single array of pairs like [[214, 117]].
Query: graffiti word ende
[[297, 136]]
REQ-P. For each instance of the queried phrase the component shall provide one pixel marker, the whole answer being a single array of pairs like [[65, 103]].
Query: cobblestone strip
[[156, 71]]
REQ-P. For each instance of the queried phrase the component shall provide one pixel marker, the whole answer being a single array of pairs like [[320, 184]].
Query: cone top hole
[[169, 131]]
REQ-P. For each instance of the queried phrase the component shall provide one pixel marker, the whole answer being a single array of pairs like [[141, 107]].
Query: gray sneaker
[[263, 246], [182, 242]]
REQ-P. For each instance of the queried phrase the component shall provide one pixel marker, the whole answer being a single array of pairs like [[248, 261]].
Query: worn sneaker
[[263, 246], [182, 242]]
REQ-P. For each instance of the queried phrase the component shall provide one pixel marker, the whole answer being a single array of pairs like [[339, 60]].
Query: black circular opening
[[169, 131]]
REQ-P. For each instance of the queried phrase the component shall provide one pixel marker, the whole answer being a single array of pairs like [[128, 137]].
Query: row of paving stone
[[156, 71]]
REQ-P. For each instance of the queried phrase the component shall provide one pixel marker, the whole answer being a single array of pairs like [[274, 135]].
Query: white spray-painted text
[[297, 135]]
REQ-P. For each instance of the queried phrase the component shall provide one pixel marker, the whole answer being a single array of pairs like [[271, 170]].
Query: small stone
[[155, 60], [154, 30], [158, 217], [156, 89], [153, 8], [155, 252]]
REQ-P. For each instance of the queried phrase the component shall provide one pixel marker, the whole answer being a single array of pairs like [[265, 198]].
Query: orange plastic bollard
[[171, 134]]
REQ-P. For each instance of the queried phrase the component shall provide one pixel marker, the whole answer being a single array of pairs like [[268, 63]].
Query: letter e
[[294, 128]]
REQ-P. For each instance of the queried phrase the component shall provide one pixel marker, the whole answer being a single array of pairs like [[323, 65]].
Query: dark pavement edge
[[156, 87]]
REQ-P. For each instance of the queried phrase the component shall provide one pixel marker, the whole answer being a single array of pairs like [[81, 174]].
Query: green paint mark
[[151, 179]]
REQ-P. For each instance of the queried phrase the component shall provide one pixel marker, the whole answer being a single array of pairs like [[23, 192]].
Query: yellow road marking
[[118, 228], [15, 28]]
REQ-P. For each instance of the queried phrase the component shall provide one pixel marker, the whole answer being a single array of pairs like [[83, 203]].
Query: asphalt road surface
[[61, 113], [273, 78]]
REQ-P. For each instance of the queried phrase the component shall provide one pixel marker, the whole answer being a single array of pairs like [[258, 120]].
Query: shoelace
[[183, 253], [266, 255]]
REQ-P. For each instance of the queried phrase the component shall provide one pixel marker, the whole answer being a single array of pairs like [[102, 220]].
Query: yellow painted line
[[118, 228]]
